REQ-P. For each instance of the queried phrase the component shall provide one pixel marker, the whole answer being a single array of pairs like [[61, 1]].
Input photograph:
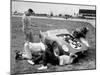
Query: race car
[[64, 42]]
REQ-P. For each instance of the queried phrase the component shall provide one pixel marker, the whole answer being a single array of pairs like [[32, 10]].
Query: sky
[[48, 7]]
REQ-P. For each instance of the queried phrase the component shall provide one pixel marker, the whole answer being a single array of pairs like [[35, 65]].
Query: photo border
[[59, 4]]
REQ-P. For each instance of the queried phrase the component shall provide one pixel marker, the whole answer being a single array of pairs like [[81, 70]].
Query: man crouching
[[80, 34], [52, 58]]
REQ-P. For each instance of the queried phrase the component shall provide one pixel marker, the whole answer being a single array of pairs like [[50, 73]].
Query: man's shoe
[[42, 67], [30, 62]]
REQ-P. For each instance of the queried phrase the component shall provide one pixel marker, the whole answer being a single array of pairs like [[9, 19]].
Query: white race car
[[64, 40]]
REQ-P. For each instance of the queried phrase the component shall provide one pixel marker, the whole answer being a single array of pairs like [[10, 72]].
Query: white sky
[[48, 7]]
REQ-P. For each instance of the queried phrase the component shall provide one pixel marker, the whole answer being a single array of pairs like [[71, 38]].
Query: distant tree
[[51, 14], [60, 15], [15, 12]]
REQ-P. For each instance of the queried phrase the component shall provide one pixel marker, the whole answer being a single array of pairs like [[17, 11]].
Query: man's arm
[[23, 23]]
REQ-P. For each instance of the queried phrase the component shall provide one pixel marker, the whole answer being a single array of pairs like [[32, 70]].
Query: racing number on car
[[65, 48], [75, 45]]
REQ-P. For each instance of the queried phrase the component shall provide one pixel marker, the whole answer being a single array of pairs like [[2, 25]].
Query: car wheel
[[56, 49]]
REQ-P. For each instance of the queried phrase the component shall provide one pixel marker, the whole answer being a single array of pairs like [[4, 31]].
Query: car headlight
[[65, 48]]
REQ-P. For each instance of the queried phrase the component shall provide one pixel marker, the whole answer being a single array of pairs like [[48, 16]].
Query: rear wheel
[[56, 49]]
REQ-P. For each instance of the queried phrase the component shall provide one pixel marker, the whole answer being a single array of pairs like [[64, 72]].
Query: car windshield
[[57, 32]]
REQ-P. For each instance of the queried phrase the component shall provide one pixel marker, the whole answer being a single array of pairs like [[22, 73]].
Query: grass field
[[88, 61]]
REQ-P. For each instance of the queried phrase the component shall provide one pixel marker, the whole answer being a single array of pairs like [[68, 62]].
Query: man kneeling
[[50, 57]]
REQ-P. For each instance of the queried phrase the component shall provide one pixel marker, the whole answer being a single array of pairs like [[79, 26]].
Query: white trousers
[[30, 48]]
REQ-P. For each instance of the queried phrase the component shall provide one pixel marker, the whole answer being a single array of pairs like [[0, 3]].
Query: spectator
[[27, 29], [27, 25]]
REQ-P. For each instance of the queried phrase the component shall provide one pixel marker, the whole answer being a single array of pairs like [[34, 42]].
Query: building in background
[[87, 13]]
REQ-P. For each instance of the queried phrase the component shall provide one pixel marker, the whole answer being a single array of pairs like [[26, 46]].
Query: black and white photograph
[[52, 37]]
